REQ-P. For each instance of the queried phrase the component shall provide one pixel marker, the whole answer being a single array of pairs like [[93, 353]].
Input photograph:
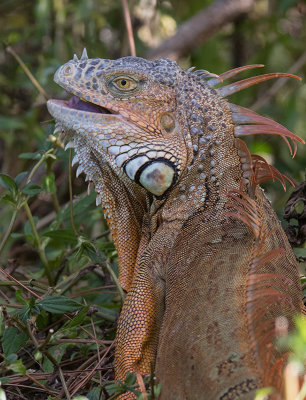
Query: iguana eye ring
[[124, 83]]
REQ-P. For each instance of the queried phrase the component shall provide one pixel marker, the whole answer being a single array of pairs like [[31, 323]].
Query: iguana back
[[216, 339], [205, 263]]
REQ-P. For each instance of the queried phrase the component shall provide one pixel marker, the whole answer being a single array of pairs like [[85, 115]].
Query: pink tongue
[[78, 104]]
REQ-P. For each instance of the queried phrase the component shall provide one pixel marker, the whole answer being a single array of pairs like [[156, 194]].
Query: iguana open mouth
[[79, 104]]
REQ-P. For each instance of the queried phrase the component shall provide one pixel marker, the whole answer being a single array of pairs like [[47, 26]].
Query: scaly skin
[[206, 266]]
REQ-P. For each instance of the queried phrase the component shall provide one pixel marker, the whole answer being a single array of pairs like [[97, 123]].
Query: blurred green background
[[79, 259]]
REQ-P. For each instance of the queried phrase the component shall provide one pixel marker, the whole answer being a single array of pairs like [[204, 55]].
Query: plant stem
[[55, 202], [115, 279], [40, 247], [70, 195], [62, 378], [10, 305], [37, 165], [9, 230]]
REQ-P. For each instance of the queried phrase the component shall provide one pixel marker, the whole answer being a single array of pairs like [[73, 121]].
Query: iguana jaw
[[94, 125], [78, 103], [112, 139]]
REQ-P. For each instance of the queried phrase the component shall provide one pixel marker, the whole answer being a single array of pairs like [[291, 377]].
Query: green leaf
[[130, 379], [91, 251], [62, 236], [18, 295], [2, 394], [58, 304], [157, 390], [24, 313], [11, 358], [94, 394], [31, 190], [113, 388], [262, 394], [17, 366], [19, 178], [42, 320], [28, 229], [8, 198], [13, 340], [57, 352], [77, 320], [30, 156], [28, 310], [17, 235], [9, 183], [48, 183]]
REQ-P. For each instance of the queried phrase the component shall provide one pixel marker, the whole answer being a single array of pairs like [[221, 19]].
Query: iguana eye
[[124, 83]]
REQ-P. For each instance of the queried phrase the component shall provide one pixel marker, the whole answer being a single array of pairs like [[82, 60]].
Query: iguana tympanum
[[205, 263]]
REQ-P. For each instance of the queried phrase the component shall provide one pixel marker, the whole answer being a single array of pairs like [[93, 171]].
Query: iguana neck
[[211, 169]]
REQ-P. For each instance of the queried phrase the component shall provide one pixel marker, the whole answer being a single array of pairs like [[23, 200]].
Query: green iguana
[[205, 263]]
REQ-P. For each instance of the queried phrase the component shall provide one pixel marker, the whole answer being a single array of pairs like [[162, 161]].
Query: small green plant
[[51, 315]]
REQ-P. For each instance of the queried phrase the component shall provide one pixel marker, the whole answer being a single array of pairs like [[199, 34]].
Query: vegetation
[[59, 293]]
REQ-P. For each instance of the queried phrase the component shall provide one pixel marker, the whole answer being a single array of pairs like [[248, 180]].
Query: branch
[[129, 28], [200, 27]]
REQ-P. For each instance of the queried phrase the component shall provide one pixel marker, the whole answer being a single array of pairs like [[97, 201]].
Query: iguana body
[[205, 263]]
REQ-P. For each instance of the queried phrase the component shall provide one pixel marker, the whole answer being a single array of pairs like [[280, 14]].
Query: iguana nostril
[[67, 70]]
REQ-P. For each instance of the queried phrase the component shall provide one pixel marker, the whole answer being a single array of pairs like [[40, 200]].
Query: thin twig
[[10, 305], [128, 24], [19, 283], [82, 368], [43, 342], [115, 279], [40, 247], [27, 71], [9, 230], [39, 384], [31, 282], [89, 376], [98, 351], [64, 383]]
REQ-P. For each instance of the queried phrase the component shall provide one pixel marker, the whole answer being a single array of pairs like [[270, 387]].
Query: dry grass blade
[[19, 283], [91, 373], [42, 91], [128, 24]]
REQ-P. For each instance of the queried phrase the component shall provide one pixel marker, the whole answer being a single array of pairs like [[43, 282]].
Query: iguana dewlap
[[205, 263]]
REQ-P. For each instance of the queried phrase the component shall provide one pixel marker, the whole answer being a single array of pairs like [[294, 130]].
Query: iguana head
[[126, 112], [146, 130]]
